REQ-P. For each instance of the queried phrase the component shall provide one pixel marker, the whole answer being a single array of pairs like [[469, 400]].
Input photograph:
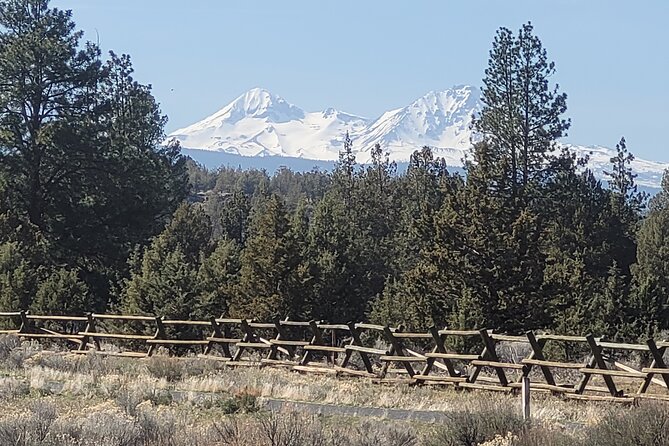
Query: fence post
[[526, 397], [26, 326], [160, 334]]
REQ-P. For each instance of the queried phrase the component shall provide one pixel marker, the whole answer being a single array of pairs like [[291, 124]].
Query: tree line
[[96, 214]]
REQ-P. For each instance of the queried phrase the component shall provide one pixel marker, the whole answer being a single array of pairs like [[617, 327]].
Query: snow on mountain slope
[[440, 119], [259, 123], [649, 173]]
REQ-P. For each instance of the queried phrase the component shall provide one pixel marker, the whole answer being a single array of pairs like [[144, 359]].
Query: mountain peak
[[458, 97], [259, 123], [440, 118], [257, 96], [262, 104], [456, 90]]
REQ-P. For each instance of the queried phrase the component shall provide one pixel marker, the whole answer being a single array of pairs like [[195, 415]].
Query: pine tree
[[80, 144], [626, 207], [164, 281], [521, 116], [48, 84], [416, 298], [488, 234], [268, 284], [62, 292], [651, 273], [218, 280], [498, 216]]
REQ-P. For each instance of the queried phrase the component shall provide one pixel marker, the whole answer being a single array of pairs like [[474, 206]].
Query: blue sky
[[366, 57]]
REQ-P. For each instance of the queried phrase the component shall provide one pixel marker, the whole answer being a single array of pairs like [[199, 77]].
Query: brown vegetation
[[53, 398]]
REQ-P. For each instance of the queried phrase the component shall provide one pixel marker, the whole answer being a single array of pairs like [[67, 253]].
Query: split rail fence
[[467, 359]]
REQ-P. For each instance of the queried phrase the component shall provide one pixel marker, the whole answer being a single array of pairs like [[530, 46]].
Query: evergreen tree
[[336, 296], [651, 273], [351, 237], [626, 207], [498, 219], [421, 192], [218, 280], [305, 274], [268, 284], [62, 292], [416, 297], [521, 116], [234, 211], [48, 88], [164, 280], [344, 174], [488, 233], [23, 255], [80, 144], [578, 258], [622, 182], [19, 277], [200, 179], [490, 250], [376, 219]]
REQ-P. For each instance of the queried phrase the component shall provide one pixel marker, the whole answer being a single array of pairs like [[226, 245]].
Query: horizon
[[201, 58]]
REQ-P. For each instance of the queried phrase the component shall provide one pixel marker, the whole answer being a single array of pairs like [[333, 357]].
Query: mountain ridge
[[259, 123]]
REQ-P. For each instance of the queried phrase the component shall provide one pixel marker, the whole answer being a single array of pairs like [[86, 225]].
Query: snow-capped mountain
[[440, 119], [259, 123], [649, 173]]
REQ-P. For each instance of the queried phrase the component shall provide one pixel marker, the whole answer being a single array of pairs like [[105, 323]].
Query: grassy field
[[62, 399]]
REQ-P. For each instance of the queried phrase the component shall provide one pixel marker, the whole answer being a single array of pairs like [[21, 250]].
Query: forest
[[97, 214]]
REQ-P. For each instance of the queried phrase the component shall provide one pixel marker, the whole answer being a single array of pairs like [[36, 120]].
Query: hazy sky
[[366, 57]]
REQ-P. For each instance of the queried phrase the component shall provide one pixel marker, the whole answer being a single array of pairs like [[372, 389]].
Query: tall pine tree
[[80, 144], [268, 282]]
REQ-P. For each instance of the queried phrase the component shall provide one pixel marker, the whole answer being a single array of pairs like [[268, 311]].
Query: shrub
[[373, 433], [13, 352], [647, 425], [165, 367], [28, 430], [539, 436], [291, 430], [128, 400], [13, 388], [243, 403], [54, 362], [7, 344], [160, 397], [474, 426]]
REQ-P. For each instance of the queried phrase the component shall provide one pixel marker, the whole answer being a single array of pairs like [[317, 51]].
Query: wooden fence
[[485, 360]]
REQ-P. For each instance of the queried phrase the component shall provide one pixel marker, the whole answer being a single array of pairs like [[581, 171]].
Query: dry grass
[[59, 398]]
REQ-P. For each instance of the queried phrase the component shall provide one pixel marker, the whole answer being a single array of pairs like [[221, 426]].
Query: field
[[54, 398]]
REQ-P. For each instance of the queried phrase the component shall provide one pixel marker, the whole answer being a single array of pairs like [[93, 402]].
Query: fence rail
[[380, 352]]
